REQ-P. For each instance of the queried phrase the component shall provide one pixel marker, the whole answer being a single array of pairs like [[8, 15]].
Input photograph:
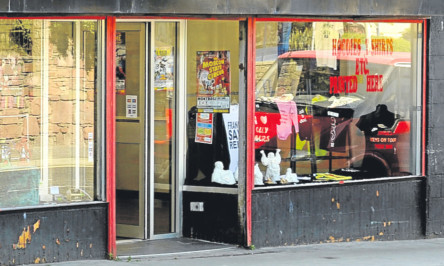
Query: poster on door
[[120, 63], [204, 128], [164, 69], [213, 81]]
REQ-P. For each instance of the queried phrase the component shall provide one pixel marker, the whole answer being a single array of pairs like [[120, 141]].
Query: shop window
[[48, 88], [336, 101], [213, 84]]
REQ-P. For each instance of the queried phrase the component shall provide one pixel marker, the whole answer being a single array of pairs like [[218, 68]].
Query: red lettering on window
[[374, 83], [348, 84]]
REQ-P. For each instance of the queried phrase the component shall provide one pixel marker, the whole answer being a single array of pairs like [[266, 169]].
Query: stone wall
[[434, 132]]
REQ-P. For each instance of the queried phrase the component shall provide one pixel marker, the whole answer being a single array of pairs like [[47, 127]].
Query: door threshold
[[128, 240], [137, 248]]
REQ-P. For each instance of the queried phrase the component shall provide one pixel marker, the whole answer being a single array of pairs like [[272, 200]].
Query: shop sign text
[[353, 47]]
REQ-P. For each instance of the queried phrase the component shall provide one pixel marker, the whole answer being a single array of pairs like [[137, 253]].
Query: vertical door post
[[110, 107], [251, 61]]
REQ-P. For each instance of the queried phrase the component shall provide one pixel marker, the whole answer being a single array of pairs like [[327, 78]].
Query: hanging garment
[[324, 33], [289, 119], [334, 129]]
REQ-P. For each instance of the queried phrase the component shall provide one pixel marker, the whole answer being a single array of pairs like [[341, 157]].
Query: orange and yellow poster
[[204, 128], [213, 81]]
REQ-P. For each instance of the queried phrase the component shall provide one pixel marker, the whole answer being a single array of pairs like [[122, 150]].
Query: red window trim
[[58, 18], [111, 133], [251, 84], [180, 18], [341, 20], [424, 97]]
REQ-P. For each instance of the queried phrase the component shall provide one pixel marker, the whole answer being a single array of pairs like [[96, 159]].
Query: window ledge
[[221, 190], [52, 206], [336, 183]]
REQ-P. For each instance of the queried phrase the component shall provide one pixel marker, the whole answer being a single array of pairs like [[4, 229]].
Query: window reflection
[[47, 122], [213, 84], [335, 101]]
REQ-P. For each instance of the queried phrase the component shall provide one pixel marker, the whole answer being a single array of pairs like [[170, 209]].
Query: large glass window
[[336, 101], [48, 87], [213, 84]]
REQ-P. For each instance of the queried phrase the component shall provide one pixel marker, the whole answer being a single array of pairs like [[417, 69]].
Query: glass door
[[163, 92], [130, 129], [146, 103]]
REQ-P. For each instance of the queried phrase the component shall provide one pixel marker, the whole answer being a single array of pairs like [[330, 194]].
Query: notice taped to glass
[[164, 69], [120, 63], [204, 128], [213, 81]]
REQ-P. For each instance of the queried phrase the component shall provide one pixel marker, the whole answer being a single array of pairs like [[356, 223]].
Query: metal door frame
[[179, 126], [134, 230]]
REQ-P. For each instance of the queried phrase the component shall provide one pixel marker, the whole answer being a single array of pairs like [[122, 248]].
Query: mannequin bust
[[221, 176], [379, 119]]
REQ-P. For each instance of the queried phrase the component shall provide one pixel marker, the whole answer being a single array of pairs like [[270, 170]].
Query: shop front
[[251, 124]]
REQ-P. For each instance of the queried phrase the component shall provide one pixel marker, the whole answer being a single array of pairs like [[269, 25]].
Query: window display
[[212, 103], [48, 86], [337, 101]]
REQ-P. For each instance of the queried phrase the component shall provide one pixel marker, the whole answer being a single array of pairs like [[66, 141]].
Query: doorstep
[[135, 248]]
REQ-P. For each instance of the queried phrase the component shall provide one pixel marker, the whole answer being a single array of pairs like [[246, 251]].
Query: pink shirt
[[289, 118]]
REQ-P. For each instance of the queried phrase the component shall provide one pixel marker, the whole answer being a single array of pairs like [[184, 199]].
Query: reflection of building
[[77, 172]]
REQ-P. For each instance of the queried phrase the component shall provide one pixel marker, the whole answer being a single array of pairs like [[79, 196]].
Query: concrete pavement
[[407, 252]]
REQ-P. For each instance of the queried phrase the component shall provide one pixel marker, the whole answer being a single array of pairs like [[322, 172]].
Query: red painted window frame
[[251, 88], [111, 132], [58, 18]]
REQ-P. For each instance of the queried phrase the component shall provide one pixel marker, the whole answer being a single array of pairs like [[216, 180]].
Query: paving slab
[[405, 252]]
